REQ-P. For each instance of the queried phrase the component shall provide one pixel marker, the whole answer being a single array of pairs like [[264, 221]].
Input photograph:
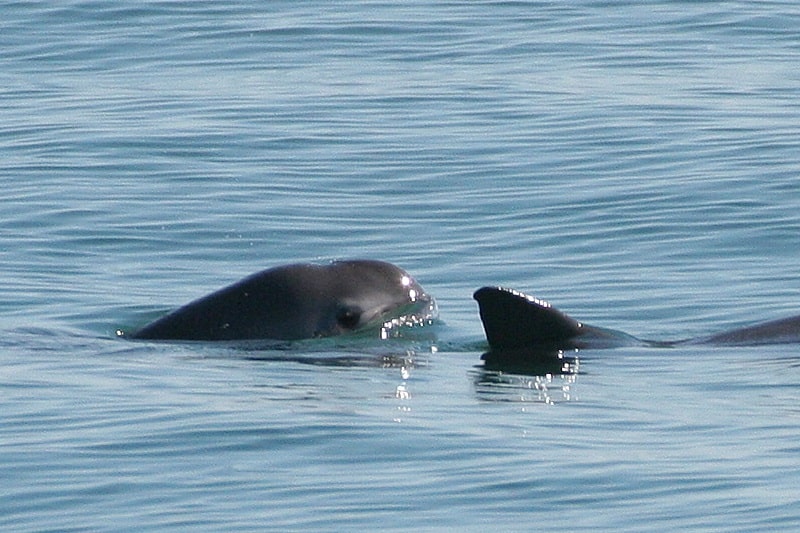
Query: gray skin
[[514, 321], [299, 301]]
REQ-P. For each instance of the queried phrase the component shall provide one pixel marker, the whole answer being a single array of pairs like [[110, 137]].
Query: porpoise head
[[301, 301], [366, 295]]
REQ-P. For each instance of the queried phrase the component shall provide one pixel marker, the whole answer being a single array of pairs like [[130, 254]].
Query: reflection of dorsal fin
[[515, 320]]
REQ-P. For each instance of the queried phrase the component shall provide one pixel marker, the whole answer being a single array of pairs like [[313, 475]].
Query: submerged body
[[514, 321], [300, 301]]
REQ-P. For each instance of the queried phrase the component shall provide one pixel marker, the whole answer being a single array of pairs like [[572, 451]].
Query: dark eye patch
[[348, 317]]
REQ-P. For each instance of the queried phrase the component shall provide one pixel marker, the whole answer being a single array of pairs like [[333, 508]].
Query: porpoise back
[[514, 320]]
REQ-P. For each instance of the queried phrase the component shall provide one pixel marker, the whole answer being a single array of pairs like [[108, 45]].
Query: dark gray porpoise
[[299, 301], [515, 321]]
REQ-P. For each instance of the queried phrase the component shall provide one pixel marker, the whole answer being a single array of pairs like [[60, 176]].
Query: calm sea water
[[635, 164]]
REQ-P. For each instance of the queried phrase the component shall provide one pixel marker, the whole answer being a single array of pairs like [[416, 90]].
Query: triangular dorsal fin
[[513, 320]]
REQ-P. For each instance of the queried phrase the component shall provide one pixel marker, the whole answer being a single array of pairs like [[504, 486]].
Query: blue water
[[635, 164]]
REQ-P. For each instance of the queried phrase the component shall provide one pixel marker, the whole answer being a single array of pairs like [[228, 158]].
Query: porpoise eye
[[348, 317]]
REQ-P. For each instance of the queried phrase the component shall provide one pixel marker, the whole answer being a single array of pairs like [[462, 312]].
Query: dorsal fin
[[513, 320]]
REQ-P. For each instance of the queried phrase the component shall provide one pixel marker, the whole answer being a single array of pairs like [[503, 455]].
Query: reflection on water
[[535, 360], [402, 360], [536, 375], [498, 386]]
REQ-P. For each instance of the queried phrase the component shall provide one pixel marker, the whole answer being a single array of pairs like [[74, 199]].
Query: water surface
[[634, 164]]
